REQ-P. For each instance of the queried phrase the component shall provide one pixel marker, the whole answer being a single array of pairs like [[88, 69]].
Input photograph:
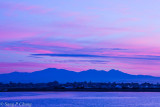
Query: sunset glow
[[80, 35]]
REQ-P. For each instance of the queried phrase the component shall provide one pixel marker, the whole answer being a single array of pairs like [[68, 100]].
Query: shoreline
[[81, 90]]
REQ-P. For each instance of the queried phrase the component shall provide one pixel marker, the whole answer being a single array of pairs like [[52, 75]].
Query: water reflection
[[83, 99]]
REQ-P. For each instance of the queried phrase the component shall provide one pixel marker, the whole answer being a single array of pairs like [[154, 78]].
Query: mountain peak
[[94, 70], [114, 71], [49, 69]]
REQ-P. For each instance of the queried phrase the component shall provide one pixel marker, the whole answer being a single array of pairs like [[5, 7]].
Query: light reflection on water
[[81, 99]]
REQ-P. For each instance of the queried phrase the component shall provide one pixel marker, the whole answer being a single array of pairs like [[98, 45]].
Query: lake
[[79, 99]]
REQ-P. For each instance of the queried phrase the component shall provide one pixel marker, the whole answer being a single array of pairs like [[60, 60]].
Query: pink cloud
[[16, 35], [25, 49], [85, 29], [53, 43]]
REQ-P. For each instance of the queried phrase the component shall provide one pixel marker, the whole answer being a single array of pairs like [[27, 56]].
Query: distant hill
[[62, 75]]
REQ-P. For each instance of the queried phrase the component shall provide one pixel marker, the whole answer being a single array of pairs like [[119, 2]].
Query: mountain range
[[62, 75]]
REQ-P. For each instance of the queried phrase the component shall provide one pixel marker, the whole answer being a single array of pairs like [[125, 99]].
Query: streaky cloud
[[67, 55], [140, 57]]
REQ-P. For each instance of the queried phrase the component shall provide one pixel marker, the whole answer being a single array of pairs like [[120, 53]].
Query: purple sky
[[80, 35]]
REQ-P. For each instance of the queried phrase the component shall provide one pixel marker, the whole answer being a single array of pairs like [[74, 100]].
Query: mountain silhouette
[[62, 75]]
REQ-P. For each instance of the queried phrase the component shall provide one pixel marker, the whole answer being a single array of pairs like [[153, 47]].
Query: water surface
[[79, 99]]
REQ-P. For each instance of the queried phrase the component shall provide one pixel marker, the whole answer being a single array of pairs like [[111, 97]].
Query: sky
[[80, 34]]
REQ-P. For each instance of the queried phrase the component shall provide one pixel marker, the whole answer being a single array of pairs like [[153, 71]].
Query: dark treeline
[[80, 86]]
